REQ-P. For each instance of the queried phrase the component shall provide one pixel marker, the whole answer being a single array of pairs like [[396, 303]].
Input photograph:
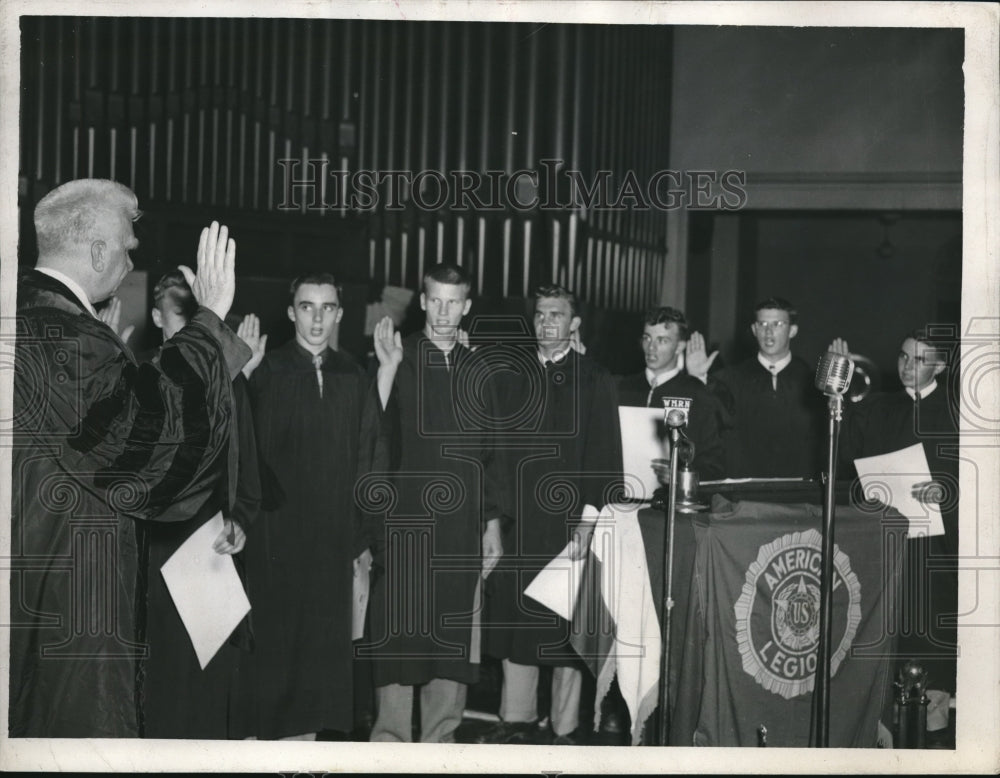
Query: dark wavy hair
[[666, 315], [556, 292], [172, 289]]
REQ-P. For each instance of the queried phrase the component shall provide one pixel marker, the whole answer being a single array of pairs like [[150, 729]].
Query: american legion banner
[[752, 628]]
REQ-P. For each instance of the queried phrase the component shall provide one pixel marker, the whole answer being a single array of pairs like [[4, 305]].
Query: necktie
[[318, 364], [774, 377]]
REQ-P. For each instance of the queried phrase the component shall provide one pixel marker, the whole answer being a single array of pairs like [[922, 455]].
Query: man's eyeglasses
[[920, 359], [767, 326]]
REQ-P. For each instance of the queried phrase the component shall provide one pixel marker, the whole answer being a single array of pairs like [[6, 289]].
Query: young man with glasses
[[921, 412], [774, 407]]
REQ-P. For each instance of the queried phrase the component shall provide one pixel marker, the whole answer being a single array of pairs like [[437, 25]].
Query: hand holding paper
[[557, 585], [206, 589], [928, 492], [231, 540], [902, 480]]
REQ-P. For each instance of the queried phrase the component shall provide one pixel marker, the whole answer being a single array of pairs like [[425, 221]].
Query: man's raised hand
[[214, 285], [839, 346], [249, 333], [696, 360], [389, 350], [388, 344]]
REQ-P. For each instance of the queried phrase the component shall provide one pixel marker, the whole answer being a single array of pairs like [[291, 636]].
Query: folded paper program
[[206, 589], [890, 478]]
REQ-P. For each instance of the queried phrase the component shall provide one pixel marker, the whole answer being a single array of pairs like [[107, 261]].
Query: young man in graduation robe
[[774, 411], [315, 414], [180, 699], [664, 338], [921, 412], [100, 442], [440, 527], [563, 452]]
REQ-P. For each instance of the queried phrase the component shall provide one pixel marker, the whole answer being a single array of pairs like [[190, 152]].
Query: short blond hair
[[66, 216]]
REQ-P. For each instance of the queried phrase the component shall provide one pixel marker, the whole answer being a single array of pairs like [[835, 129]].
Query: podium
[[746, 620]]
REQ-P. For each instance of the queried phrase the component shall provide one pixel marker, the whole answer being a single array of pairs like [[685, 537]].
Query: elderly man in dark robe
[[100, 442]]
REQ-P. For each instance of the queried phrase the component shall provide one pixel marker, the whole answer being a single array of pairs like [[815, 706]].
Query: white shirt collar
[[72, 285], [923, 392], [780, 365], [559, 356], [657, 380]]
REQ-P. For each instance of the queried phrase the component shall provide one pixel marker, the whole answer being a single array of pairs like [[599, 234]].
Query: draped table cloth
[[745, 621]]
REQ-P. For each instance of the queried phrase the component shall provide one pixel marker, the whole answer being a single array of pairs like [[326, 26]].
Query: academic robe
[[775, 433], [703, 426], [99, 441], [886, 422], [300, 552], [439, 487], [562, 451], [179, 698]]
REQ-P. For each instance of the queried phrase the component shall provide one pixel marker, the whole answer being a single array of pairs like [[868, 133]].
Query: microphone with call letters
[[833, 378]]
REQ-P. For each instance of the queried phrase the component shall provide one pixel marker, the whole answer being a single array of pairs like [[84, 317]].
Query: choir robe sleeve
[[603, 479], [379, 458], [718, 386], [367, 526], [497, 498], [272, 496], [850, 444], [148, 440], [247, 500], [710, 452]]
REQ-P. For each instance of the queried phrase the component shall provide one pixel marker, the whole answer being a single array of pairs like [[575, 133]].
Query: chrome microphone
[[676, 418], [833, 374]]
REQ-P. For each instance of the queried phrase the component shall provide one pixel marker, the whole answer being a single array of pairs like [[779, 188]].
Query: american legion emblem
[[777, 613]]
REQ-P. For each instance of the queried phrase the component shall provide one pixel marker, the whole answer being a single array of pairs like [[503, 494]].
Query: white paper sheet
[[206, 590], [558, 584], [643, 440], [890, 478]]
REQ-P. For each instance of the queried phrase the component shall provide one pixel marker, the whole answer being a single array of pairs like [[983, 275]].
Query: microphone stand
[[821, 690], [668, 589]]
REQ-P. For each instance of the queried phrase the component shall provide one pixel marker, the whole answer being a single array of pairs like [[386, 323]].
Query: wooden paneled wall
[[229, 112]]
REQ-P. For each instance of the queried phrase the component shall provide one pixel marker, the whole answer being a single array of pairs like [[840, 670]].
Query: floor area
[[484, 702]]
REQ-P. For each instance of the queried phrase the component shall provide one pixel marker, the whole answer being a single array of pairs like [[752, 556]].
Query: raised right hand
[[839, 346], [388, 344], [249, 333], [214, 285], [696, 361]]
